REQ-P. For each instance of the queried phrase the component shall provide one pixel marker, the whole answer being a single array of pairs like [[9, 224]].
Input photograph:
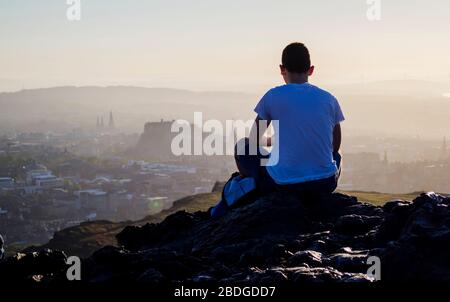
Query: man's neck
[[298, 78]]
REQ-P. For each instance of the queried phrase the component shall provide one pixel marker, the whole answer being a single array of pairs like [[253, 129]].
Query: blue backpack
[[237, 191]]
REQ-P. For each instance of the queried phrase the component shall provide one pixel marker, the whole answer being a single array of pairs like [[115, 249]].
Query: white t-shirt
[[307, 116]]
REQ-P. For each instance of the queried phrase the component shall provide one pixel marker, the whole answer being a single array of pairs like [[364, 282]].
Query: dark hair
[[296, 58]]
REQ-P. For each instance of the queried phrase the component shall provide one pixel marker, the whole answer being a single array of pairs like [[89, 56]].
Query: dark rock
[[203, 278], [422, 244], [349, 250], [284, 237], [356, 278], [268, 276], [347, 262], [312, 258], [364, 209], [319, 245], [317, 274], [266, 252], [34, 266], [151, 276], [273, 276], [394, 205], [356, 224], [149, 235]]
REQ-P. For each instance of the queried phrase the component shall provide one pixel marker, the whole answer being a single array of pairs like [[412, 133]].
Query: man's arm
[[337, 137], [256, 132]]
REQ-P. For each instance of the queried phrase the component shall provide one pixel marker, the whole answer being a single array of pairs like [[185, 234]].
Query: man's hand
[[260, 134]]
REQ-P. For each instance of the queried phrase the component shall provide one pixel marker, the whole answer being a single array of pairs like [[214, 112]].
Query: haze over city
[[395, 69]]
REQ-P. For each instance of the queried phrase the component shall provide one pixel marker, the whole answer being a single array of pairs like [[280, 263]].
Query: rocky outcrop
[[282, 238], [84, 239]]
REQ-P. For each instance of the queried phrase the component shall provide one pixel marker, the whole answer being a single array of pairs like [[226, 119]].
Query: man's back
[[307, 116]]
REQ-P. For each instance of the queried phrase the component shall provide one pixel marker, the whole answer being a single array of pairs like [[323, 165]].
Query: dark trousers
[[250, 166]]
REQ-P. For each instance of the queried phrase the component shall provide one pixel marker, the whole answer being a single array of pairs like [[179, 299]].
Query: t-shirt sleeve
[[338, 115], [263, 108]]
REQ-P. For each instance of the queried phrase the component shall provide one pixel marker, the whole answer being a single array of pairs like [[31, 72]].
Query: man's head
[[296, 63]]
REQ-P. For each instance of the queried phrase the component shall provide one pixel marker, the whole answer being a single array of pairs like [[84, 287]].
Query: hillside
[[284, 238], [84, 239], [87, 237], [65, 108]]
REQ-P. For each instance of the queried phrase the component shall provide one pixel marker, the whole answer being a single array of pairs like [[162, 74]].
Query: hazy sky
[[218, 45]]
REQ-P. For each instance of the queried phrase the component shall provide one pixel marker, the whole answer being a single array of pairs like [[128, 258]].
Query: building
[[35, 170], [48, 181], [93, 199], [40, 177], [100, 125], [111, 124], [161, 133], [6, 182]]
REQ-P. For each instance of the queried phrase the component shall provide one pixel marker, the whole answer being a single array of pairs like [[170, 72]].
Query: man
[[309, 131]]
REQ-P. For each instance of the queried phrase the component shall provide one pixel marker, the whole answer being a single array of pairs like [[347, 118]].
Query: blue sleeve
[[338, 115], [263, 108]]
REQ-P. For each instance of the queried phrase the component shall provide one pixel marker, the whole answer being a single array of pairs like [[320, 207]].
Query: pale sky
[[218, 45]]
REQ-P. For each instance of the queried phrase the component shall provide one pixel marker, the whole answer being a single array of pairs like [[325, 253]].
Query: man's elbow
[[337, 138], [336, 146], [336, 149]]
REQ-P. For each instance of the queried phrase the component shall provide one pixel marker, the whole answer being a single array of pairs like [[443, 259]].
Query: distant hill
[[72, 107], [407, 108], [88, 237], [413, 88]]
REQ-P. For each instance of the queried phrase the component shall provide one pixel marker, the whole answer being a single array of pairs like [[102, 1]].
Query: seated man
[[308, 129]]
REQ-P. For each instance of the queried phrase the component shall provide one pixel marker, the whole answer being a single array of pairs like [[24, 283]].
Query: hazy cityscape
[[53, 180]]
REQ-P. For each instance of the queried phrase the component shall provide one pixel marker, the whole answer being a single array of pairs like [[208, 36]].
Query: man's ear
[[282, 70], [311, 71]]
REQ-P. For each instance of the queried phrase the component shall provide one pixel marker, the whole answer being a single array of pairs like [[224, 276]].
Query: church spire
[[385, 159], [111, 120]]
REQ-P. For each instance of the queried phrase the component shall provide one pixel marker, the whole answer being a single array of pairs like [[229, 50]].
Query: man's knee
[[247, 163], [241, 148]]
